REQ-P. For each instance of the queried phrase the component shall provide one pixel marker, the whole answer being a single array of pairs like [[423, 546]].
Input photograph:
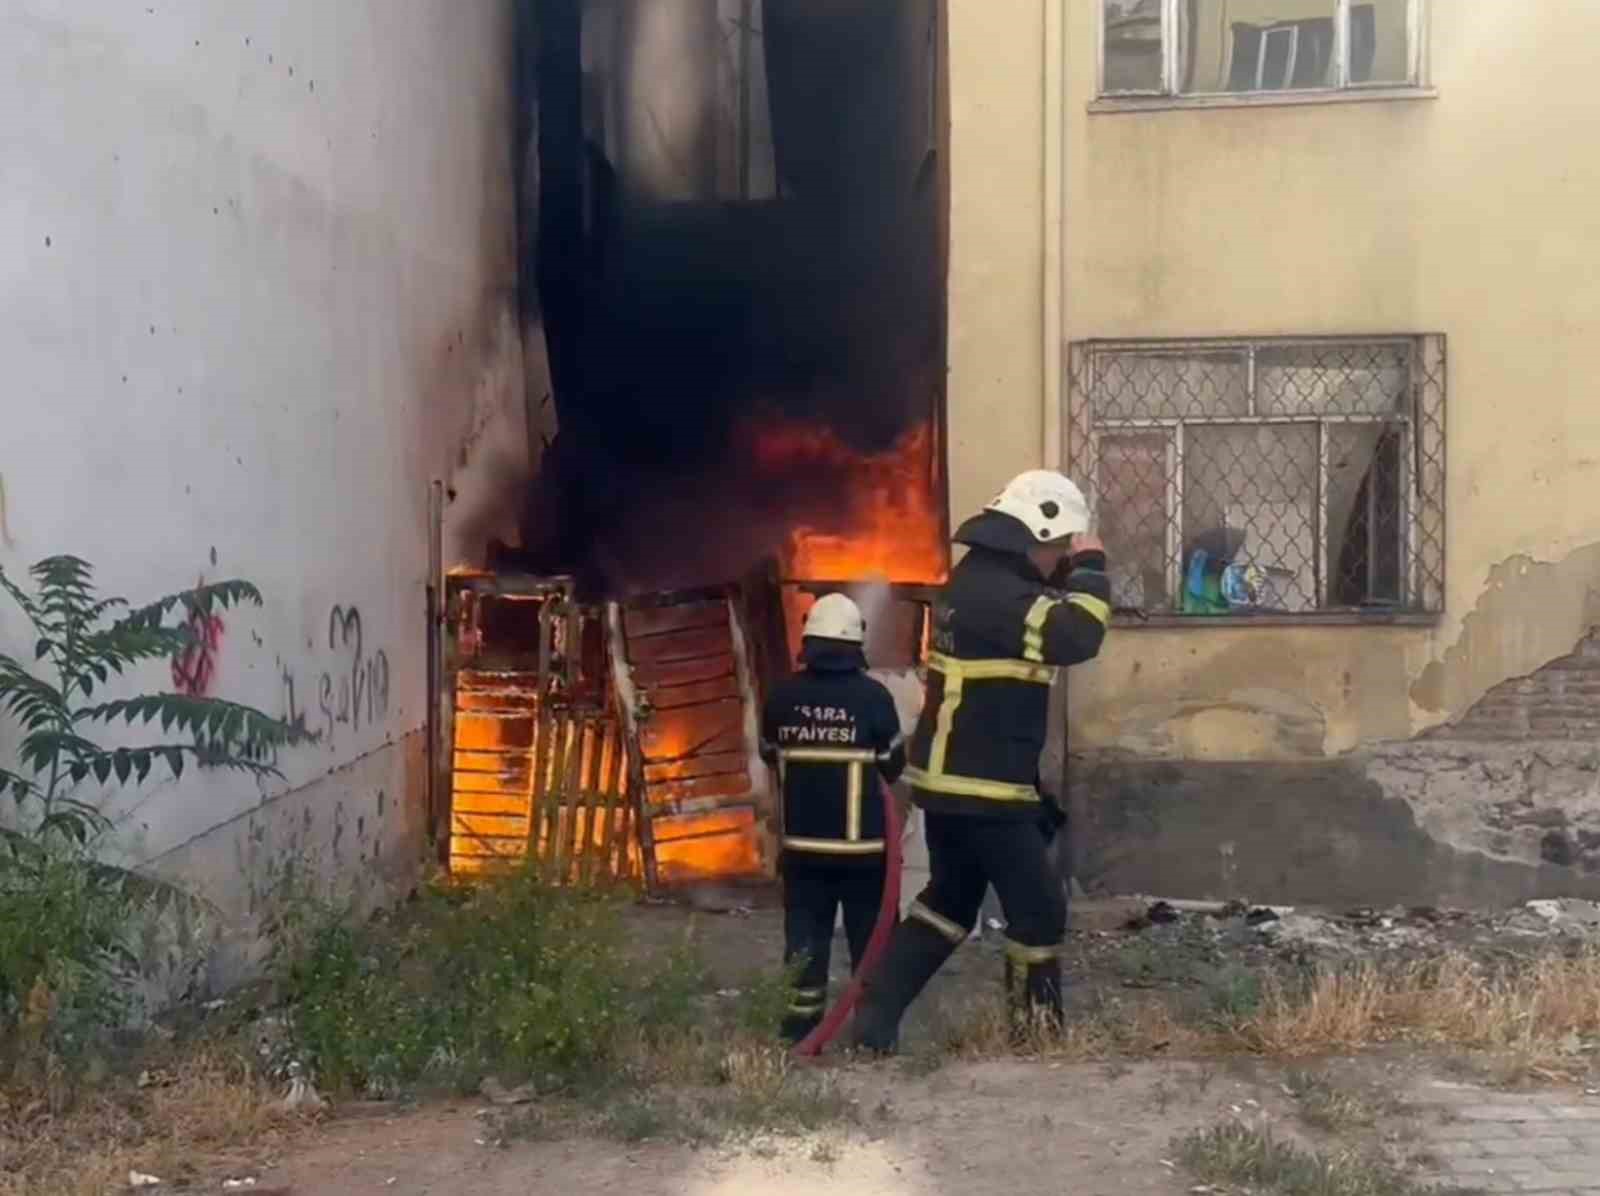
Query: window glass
[[1257, 45], [1132, 45]]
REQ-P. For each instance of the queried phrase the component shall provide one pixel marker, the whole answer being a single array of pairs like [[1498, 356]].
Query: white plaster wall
[[257, 288]]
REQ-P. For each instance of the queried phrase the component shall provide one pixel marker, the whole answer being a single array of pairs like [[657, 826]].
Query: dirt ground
[[925, 1123], [1012, 1127]]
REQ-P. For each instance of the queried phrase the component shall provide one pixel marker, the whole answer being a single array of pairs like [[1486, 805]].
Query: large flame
[[868, 515]]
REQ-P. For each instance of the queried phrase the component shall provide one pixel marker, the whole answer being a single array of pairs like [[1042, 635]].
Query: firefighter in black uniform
[[1030, 596], [830, 732]]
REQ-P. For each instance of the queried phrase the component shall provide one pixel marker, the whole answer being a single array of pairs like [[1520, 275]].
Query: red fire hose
[[888, 914]]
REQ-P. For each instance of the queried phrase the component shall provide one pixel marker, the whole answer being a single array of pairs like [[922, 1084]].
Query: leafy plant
[[511, 978], [81, 646], [66, 965]]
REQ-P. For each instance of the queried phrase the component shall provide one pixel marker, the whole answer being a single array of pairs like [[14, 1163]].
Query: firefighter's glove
[[1088, 552]]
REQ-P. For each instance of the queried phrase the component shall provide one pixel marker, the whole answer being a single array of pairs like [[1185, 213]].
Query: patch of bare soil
[[1013, 1127]]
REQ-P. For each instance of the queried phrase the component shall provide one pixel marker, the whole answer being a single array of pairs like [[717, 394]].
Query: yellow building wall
[[1475, 214], [995, 409]]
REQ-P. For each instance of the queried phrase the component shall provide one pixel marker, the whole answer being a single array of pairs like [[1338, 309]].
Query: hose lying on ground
[[888, 914]]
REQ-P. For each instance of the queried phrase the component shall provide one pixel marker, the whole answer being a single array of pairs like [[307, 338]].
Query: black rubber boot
[[1033, 998], [915, 953]]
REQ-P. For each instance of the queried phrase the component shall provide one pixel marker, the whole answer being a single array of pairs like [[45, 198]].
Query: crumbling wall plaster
[[1520, 803], [1528, 613]]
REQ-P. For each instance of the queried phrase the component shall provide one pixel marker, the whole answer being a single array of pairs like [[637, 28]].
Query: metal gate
[[537, 770], [690, 693]]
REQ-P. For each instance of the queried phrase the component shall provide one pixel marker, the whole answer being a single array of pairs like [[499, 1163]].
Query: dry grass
[[1138, 1028], [212, 1110], [707, 1093], [1538, 1011], [1234, 1155], [1336, 1108], [706, 1085], [696, 1092], [1533, 1016]]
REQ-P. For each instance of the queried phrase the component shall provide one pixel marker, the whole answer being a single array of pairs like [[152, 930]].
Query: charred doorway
[[733, 245]]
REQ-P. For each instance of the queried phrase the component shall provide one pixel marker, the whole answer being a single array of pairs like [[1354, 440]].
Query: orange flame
[[885, 519]]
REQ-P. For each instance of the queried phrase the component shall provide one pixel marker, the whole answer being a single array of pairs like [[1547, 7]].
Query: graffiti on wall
[[194, 666], [293, 713], [356, 690], [352, 692]]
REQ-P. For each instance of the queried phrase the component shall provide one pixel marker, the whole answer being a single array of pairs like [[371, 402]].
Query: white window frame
[[1343, 88], [1292, 32]]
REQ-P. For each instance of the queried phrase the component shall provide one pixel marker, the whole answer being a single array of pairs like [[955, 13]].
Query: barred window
[[1286, 477]]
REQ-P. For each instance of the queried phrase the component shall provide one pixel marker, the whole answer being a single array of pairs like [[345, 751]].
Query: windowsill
[[1335, 618], [1261, 99]]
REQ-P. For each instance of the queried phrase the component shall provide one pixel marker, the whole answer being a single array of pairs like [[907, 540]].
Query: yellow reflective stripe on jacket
[[957, 673], [990, 670], [852, 803], [826, 755], [1033, 627], [939, 922], [1098, 608], [949, 703], [957, 786], [834, 846]]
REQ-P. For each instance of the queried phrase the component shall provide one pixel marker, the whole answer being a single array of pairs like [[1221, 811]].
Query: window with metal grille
[[1266, 477]]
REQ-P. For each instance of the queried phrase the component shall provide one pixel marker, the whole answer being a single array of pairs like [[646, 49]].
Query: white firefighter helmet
[[1047, 503], [835, 617]]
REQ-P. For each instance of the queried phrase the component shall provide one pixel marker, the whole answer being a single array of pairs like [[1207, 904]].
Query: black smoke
[[671, 326]]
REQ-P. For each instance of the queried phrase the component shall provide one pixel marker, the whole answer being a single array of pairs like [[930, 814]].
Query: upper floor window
[[1246, 47], [1288, 477]]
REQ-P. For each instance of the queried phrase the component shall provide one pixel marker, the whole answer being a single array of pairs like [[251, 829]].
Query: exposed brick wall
[[1560, 701]]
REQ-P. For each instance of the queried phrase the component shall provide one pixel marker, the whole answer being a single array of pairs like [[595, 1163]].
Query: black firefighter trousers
[[814, 889], [966, 854]]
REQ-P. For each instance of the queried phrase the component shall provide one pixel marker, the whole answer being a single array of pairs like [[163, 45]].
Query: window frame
[[1422, 480], [1343, 89]]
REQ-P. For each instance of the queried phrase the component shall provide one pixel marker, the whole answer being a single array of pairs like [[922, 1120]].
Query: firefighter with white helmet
[[1030, 596], [830, 732]]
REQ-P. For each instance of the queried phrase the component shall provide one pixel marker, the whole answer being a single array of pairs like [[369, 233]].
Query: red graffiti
[[195, 666]]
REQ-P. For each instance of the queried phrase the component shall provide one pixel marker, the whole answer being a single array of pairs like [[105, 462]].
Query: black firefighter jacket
[[831, 734], [999, 634]]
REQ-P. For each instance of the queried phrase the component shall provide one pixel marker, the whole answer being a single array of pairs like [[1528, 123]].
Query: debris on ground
[[303, 1095], [1564, 916], [1305, 934], [497, 1093], [139, 1180]]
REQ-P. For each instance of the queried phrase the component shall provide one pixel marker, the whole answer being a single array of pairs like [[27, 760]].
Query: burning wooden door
[[686, 678]]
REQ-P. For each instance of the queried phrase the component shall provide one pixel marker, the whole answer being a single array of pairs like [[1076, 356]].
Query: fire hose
[[888, 914]]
